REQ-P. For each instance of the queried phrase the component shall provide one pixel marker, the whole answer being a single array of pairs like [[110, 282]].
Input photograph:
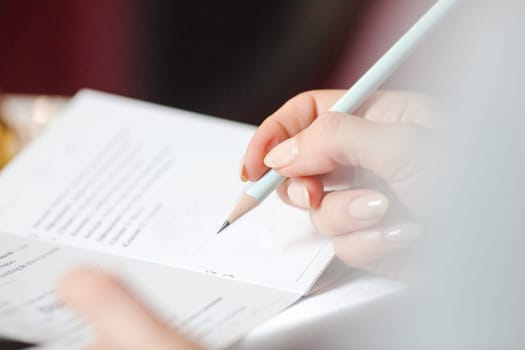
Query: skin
[[390, 139], [392, 136], [120, 320]]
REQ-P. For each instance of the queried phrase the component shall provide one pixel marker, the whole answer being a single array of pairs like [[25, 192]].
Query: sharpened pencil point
[[226, 224]]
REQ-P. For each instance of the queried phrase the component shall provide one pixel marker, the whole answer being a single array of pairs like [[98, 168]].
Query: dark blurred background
[[234, 59]]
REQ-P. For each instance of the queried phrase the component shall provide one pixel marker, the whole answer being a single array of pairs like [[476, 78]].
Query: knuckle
[[349, 253], [305, 95], [328, 124], [325, 224], [412, 151], [281, 191], [413, 136], [303, 99], [322, 226]]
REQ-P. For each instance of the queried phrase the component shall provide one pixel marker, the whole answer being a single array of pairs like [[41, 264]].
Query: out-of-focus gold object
[[7, 144], [22, 118]]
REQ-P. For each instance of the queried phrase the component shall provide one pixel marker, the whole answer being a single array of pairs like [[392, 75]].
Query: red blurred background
[[235, 59]]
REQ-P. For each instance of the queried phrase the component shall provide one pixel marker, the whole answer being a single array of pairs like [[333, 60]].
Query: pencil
[[356, 95], [12, 344]]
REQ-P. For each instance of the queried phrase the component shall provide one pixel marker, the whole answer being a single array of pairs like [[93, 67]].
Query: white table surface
[[341, 296]]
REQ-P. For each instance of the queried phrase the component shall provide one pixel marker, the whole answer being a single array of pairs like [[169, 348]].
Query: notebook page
[[154, 183], [211, 310]]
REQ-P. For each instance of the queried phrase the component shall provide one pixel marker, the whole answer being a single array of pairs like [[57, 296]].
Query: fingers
[[121, 321], [302, 192], [291, 118], [388, 150], [361, 248], [401, 106], [342, 212], [335, 213]]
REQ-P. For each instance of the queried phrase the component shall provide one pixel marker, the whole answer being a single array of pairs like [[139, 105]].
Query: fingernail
[[298, 194], [283, 154], [403, 233], [368, 207], [242, 171]]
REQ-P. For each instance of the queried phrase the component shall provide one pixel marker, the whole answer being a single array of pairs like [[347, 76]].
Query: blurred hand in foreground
[[120, 320]]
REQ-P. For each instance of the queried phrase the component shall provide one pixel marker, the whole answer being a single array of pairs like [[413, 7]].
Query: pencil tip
[[226, 224]]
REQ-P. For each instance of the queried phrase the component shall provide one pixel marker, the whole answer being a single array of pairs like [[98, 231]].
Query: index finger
[[119, 318], [295, 115]]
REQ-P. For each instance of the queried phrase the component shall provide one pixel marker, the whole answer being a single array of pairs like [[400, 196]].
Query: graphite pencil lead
[[226, 224]]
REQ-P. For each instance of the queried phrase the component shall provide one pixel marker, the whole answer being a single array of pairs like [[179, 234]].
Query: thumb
[[120, 320], [390, 150]]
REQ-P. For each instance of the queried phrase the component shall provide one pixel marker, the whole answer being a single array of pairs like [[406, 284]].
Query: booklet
[[141, 190]]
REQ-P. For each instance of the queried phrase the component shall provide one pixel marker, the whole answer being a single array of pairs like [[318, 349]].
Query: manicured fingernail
[[368, 207], [242, 171], [403, 233], [298, 194], [283, 154]]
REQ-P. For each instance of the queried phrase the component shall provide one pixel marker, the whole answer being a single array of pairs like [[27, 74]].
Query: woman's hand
[[326, 156], [120, 320]]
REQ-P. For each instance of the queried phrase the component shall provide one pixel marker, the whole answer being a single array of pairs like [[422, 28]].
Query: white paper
[[211, 310], [147, 187]]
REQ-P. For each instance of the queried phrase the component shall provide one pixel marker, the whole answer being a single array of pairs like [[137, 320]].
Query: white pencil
[[356, 95]]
